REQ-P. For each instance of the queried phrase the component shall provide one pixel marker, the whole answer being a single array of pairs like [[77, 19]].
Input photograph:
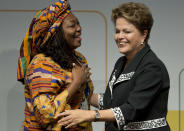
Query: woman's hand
[[80, 74], [73, 117]]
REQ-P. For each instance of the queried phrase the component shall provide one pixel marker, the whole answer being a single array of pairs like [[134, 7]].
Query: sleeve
[[45, 83], [147, 87], [100, 101]]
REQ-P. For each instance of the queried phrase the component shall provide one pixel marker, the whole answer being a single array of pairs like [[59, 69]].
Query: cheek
[[68, 36], [132, 38], [137, 39]]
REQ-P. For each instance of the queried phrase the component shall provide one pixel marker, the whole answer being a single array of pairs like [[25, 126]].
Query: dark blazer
[[140, 91]]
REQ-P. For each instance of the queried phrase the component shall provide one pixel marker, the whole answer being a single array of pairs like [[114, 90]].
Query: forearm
[[74, 117], [94, 100], [72, 88]]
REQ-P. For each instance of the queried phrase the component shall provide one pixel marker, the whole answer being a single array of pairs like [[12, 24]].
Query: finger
[[70, 125], [88, 69], [64, 119], [61, 122], [65, 113], [64, 122], [61, 114], [84, 66], [88, 74]]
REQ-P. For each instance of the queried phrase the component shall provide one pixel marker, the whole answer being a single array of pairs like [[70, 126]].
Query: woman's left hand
[[73, 117]]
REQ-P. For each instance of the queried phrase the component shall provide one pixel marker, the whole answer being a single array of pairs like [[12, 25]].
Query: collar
[[133, 65]]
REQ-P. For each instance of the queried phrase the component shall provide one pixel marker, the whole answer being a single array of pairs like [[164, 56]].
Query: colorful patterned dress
[[46, 92]]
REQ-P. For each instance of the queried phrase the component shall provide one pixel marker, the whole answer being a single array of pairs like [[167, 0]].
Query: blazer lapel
[[124, 77], [117, 70], [129, 71]]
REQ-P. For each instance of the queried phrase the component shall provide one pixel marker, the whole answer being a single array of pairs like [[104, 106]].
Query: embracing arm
[[74, 117], [94, 100]]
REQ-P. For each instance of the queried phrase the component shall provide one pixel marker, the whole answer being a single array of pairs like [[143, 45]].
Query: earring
[[142, 43]]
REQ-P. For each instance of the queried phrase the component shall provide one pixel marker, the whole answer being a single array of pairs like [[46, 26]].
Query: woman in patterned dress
[[56, 76]]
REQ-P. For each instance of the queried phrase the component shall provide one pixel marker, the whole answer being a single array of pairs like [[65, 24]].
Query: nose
[[78, 28], [121, 36]]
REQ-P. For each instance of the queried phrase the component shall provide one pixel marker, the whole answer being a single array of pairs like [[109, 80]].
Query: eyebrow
[[73, 20]]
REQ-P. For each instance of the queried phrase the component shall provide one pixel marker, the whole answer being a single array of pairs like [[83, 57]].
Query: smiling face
[[72, 31], [128, 38]]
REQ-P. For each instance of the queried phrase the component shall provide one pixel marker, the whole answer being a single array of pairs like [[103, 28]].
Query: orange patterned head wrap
[[41, 29]]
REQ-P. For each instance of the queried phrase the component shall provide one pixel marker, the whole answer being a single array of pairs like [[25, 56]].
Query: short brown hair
[[136, 13]]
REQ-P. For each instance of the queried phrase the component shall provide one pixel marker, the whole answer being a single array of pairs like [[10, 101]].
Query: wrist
[[76, 83], [92, 115], [97, 116]]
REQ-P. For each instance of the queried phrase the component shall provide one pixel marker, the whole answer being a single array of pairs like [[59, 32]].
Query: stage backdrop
[[98, 46]]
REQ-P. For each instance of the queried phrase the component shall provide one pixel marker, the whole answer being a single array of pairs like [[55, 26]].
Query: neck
[[131, 55]]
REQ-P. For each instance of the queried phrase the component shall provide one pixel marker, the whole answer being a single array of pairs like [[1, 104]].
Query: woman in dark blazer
[[137, 94]]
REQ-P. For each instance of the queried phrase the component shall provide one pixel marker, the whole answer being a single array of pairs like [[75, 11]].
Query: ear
[[145, 33]]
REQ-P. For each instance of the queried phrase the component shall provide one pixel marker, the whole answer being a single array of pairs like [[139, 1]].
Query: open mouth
[[122, 44], [78, 37]]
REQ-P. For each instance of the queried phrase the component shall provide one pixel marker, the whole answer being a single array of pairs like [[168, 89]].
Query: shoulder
[[42, 66], [152, 60], [40, 60]]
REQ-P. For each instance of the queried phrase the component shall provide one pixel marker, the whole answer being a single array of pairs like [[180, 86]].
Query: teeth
[[122, 43]]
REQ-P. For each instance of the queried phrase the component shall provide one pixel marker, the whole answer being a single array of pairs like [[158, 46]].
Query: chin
[[76, 46], [77, 43], [122, 51]]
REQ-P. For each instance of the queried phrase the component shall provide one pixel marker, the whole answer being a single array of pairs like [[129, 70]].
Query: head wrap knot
[[41, 29]]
